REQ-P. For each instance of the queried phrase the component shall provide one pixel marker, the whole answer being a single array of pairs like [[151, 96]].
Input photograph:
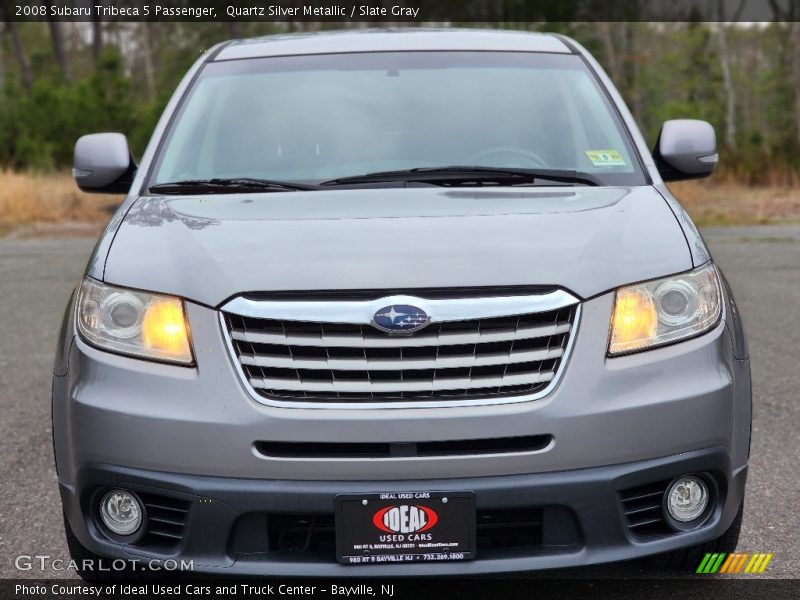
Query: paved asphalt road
[[762, 264]]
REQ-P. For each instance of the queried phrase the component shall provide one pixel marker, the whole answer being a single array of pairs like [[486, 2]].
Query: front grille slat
[[658, 493], [459, 360], [406, 385], [636, 511], [160, 507], [165, 533], [646, 522], [400, 364], [178, 522], [357, 341]]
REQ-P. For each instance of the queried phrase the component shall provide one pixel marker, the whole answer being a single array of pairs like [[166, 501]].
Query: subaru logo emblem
[[400, 318]]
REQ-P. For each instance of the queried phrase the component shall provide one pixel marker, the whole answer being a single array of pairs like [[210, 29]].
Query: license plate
[[405, 527]]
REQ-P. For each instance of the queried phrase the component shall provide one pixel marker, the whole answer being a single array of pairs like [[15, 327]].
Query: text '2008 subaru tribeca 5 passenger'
[[395, 303]]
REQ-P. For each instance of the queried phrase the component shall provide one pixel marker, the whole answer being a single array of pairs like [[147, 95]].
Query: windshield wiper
[[228, 186], [461, 175]]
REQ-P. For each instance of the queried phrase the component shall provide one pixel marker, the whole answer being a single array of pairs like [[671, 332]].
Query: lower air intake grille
[[166, 521], [515, 530], [302, 361], [643, 510]]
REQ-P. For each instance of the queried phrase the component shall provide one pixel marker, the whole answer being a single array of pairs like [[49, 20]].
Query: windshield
[[316, 118]]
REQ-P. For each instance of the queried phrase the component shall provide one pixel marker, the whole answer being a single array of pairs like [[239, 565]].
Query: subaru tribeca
[[400, 303]]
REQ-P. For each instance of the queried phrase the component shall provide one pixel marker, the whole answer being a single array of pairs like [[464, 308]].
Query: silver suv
[[400, 303]]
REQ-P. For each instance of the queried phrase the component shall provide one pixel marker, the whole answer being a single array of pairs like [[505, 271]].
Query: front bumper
[[191, 436], [230, 524]]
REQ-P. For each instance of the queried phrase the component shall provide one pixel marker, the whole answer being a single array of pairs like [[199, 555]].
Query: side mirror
[[103, 163], [686, 149]]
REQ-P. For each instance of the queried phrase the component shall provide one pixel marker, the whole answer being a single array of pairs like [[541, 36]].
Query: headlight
[[665, 310], [132, 322]]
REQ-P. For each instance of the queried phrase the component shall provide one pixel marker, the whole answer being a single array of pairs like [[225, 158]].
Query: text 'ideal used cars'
[[400, 303]]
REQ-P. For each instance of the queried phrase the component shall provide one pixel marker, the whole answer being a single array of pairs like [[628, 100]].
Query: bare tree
[[147, 59], [57, 39], [634, 50], [97, 34], [612, 60], [2, 59], [789, 12], [25, 71], [621, 49], [725, 65], [234, 27], [795, 46], [97, 39]]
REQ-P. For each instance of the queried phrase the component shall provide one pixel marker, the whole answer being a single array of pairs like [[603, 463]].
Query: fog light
[[121, 512], [687, 498]]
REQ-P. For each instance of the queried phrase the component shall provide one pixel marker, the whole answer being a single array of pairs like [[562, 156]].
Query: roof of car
[[387, 40]]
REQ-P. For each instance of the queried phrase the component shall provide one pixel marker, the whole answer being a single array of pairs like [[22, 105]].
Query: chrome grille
[[325, 363]]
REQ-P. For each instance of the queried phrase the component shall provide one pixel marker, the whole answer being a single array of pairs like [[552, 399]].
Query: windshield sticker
[[605, 158]]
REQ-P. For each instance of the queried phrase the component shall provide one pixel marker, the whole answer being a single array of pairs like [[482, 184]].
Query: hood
[[210, 248]]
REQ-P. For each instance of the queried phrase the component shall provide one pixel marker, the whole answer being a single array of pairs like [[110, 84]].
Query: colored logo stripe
[[703, 564], [711, 563], [758, 563], [740, 564], [734, 562], [727, 564]]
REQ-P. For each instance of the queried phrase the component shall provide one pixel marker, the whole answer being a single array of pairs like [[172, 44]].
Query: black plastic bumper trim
[[593, 495]]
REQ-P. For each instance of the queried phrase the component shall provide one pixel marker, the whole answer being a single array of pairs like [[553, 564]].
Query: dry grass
[[51, 204], [28, 199], [720, 204]]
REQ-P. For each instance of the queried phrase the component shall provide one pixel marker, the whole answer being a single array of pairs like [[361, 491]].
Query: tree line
[[60, 80]]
